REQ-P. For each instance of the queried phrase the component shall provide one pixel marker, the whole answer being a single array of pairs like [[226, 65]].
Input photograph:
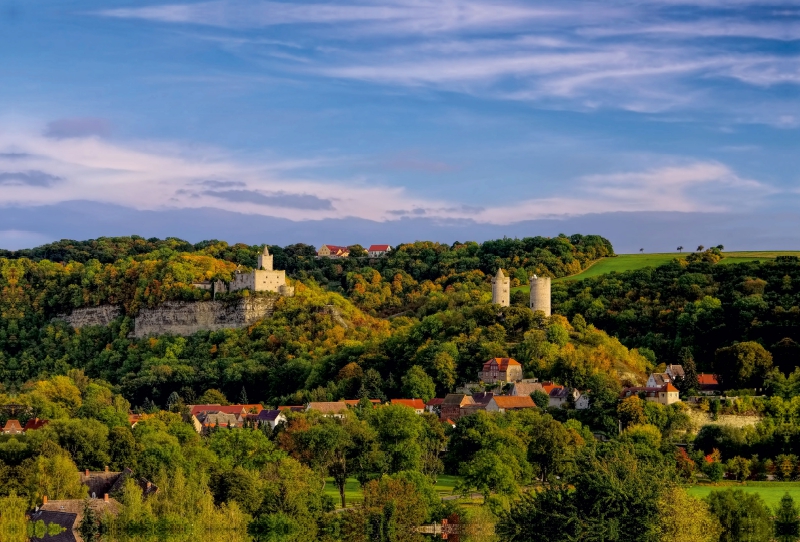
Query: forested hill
[[695, 306], [135, 272]]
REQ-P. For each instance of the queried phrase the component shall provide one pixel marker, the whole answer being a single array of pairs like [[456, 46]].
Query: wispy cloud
[[78, 127], [579, 55], [136, 176]]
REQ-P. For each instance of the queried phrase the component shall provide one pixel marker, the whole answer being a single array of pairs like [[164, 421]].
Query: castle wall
[[540, 294], [186, 318], [102, 315]]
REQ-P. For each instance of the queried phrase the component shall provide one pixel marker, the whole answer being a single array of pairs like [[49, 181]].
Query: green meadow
[[353, 494], [770, 492], [631, 262]]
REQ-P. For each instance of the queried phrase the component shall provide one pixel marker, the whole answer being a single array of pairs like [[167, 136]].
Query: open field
[[771, 492], [631, 262], [353, 494]]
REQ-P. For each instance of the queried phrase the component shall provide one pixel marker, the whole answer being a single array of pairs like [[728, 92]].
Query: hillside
[[631, 262], [329, 341]]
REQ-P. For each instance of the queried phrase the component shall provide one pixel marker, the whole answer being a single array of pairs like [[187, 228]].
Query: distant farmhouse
[[335, 251]]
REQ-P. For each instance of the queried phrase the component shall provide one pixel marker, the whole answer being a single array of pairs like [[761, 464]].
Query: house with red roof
[[34, 424], [378, 251], [417, 404], [504, 403], [243, 410], [434, 405], [665, 395], [501, 370], [708, 384], [333, 252], [12, 427]]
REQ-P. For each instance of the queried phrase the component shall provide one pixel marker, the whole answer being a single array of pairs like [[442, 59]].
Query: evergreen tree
[[243, 397], [88, 529], [689, 381], [787, 522], [173, 400]]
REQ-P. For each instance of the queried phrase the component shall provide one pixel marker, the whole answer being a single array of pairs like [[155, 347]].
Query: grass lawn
[[353, 494], [630, 262], [771, 492]]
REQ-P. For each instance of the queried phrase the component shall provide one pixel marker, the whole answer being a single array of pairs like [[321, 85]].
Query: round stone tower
[[540, 294], [265, 260], [501, 289]]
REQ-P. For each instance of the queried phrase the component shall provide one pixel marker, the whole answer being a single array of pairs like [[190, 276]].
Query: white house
[[376, 251], [582, 402]]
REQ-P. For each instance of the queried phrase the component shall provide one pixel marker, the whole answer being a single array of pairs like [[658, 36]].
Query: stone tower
[[265, 260], [540, 294], [501, 289]]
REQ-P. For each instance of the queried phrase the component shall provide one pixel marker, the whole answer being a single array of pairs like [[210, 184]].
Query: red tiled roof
[[228, 409], [549, 387], [35, 423], [436, 401], [12, 425], [670, 387], [378, 248], [502, 363], [514, 401], [707, 380], [416, 404]]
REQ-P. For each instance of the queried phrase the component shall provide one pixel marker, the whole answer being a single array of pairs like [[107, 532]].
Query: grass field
[[771, 492], [631, 262], [353, 494]]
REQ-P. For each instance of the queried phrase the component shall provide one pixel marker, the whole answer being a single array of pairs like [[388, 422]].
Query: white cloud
[[138, 176]]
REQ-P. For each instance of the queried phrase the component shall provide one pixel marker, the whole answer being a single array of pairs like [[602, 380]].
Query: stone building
[[262, 279], [501, 289], [540, 294], [501, 370]]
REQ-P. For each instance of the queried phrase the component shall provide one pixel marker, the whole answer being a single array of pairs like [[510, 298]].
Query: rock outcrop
[[102, 315], [185, 318]]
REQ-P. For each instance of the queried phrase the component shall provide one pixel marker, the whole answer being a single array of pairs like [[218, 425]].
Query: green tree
[[89, 527], [417, 384], [540, 398], [744, 516], [689, 382], [742, 365], [683, 518], [787, 520], [213, 397], [631, 411]]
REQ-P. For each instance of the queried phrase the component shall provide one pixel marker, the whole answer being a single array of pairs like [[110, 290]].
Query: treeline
[[695, 304], [537, 475], [319, 346], [135, 272]]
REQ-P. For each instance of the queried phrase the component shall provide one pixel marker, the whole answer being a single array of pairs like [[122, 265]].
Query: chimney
[[87, 473], [105, 497], [44, 500]]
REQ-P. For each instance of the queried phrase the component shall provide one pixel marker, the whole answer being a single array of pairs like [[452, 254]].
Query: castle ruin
[[540, 292], [262, 279]]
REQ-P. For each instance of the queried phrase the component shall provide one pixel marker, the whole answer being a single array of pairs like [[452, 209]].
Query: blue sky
[[656, 123]]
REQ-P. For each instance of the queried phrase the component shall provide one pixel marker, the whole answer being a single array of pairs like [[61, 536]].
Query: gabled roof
[[670, 387], [549, 387], [675, 370], [267, 415], [35, 423], [328, 407], [12, 426], [660, 378], [436, 401], [416, 404], [526, 388], [559, 392], [510, 402], [483, 397], [227, 409], [502, 363], [707, 380], [378, 248], [457, 399]]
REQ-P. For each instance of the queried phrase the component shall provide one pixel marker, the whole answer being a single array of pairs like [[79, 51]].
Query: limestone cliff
[[185, 318], [92, 316]]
